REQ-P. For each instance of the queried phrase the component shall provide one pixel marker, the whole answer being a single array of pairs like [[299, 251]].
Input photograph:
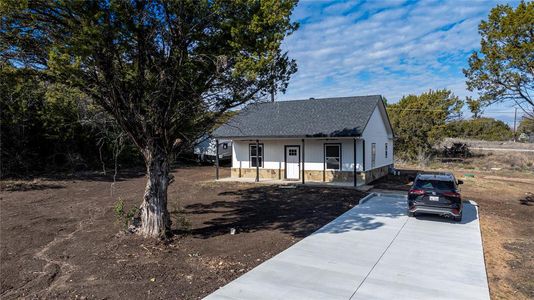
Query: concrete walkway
[[374, 251]]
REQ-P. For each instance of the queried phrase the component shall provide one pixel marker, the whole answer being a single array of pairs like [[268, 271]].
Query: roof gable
[[328, 117]]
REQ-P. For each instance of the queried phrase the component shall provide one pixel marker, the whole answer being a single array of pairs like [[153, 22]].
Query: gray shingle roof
[[328, 117]]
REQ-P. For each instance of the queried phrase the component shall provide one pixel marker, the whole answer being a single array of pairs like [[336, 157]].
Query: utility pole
[[273, 82], [272, 85], [515, 119]]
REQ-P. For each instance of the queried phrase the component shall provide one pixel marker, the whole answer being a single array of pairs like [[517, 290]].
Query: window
[[386, 150], [435, 185], [256, 156], [373, 155], [332, 156], [292, 152]]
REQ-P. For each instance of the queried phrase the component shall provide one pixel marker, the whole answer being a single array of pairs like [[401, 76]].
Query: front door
[[292, 162]]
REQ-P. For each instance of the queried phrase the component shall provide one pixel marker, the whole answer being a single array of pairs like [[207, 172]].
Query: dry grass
[[489, 144], [492, 161]]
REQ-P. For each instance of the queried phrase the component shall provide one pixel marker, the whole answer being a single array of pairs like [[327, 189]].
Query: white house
[[348, 140]]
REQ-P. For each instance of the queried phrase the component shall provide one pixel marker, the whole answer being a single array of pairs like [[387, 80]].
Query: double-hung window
[[332, 156], [256, 156]]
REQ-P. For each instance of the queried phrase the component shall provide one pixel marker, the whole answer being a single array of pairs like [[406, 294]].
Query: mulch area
[[60, 238]]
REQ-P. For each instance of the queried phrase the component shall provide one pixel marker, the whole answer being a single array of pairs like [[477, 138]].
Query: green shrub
[[123, 217], [487, 129]]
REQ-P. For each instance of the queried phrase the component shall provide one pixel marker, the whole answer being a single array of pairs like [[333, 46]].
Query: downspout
[[355, 179], [303, 160], [258, 160], [217, 159]]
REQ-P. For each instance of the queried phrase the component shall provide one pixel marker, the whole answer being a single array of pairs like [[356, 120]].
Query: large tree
[[165, 70], [420, 121], [526, 125], [503, 69]]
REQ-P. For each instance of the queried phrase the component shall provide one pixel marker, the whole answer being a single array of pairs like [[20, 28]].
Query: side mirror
[[460, 182]]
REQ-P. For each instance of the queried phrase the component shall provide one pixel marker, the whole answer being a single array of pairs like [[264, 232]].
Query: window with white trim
[[256, 156], [332, 156]]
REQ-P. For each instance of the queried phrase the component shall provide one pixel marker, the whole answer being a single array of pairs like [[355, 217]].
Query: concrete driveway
[[374, 251]]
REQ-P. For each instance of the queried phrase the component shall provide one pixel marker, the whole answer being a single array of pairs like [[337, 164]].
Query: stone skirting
[[310, 175], [376, 173], [251, 173]]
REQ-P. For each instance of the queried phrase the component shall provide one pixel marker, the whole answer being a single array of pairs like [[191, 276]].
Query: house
[[347, 140]]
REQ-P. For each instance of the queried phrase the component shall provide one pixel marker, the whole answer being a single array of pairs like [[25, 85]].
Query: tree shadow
[[87, 175], [371, 216], [396, 182], [29, 186], [299, 211]]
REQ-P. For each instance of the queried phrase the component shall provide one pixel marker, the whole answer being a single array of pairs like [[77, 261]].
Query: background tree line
[[422, 121], [50, 127]]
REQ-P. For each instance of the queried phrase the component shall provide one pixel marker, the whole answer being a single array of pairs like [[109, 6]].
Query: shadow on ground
[[29, 186], [299, 211], [370, 215], [469, 214]]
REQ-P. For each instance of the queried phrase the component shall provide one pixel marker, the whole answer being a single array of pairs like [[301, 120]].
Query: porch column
[[363, 155], [217, 159], [258, 160], [303, 160], [355, 168]]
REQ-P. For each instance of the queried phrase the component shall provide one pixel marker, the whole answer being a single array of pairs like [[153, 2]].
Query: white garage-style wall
[[377, 132]]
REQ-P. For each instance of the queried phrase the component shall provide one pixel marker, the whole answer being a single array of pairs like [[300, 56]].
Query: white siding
[[314, 153], [376, 132]]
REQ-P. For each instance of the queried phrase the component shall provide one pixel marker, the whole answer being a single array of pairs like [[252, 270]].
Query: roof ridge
[[326, 98]]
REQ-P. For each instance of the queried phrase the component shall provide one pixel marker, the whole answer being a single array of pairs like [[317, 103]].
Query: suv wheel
[[458, 218], [411, 214]]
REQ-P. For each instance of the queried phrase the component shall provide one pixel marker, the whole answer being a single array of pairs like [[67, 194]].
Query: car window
[[434, 184]]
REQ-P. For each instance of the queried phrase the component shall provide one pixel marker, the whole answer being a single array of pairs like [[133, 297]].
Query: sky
[[392, 48]]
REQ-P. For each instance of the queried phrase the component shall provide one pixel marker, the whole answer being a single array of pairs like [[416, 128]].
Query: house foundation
[[314, 175]]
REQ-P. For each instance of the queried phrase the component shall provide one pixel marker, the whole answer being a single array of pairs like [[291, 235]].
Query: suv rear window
[[434, 184]]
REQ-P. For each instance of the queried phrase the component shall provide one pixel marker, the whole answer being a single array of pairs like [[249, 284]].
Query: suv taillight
[[451, 194], [416, 192]]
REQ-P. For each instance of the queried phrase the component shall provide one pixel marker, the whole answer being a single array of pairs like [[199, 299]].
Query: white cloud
[[393, 48]]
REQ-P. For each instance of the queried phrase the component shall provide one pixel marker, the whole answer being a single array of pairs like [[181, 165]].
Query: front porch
[[319, 160], [269, 181]]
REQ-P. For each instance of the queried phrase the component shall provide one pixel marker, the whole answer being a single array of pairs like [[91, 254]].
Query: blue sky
[[392, 48]]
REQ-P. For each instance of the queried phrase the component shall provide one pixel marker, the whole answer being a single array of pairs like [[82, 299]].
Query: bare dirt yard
[[506, 207], [60, 239]]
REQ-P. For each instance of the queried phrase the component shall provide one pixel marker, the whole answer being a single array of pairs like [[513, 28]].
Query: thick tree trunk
[[155, 219]]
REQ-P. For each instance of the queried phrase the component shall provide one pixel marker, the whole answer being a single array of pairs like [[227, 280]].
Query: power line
[[445, 110]]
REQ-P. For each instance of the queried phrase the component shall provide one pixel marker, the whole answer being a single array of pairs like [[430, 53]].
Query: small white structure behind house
[[205, 149], [312, 140]]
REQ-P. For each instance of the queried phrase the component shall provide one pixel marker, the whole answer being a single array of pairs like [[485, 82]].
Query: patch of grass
[[178, 218], [123, 216]]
